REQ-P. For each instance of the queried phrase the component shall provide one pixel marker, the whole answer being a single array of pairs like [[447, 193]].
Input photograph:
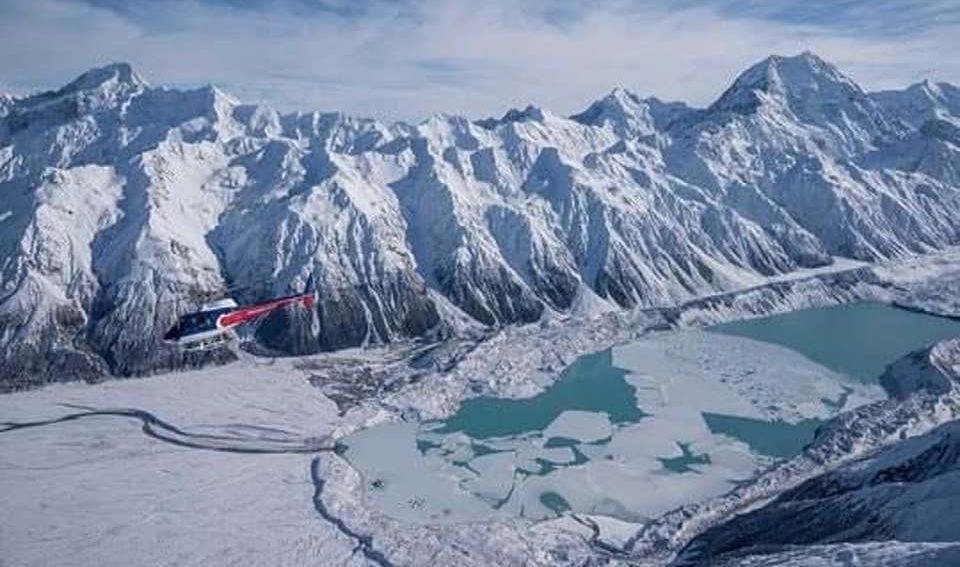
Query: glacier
[[126, 204]]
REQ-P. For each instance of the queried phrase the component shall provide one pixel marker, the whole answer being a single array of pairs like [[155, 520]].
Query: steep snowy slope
[[906, 493], [108, 222], [630, 116], [932, 110], [922, 102], [125, 204], [788, 141]]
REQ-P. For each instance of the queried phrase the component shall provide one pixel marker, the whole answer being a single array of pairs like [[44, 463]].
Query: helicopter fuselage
[[214, 321]]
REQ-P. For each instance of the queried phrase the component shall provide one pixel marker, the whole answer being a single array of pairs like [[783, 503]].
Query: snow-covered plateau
[[459, 261]]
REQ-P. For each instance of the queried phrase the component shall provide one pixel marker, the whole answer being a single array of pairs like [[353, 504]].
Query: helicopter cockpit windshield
[[194, 323]]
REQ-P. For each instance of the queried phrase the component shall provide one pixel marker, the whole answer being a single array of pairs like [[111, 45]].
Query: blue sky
[[409, 58]]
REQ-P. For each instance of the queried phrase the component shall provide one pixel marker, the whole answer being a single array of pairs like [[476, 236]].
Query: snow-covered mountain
[[930, 111], [125, 204], [922, 102]]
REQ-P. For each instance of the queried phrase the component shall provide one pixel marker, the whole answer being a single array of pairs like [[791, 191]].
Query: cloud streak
[[412, 58]]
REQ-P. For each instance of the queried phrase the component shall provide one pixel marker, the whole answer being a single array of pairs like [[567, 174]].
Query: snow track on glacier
[[161, 430]]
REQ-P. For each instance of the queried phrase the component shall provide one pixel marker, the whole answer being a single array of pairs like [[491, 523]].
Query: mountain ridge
[[127, 202]]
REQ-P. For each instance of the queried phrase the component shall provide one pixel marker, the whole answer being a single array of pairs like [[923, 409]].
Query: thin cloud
[[410, 59]]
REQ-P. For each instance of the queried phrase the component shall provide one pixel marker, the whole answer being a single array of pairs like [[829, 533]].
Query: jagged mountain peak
[[805, 72], [933, 92], [98, 89], [922, 102], [218, 94], [530, 113], [620, 98], [617, 107], [939, 90], [823, 106], [629, 115], [622, 93], [928, 87], [114, 73], [788, 79], [445, 119]]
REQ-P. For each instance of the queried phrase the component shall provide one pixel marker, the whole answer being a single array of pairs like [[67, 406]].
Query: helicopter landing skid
[[212, 343]]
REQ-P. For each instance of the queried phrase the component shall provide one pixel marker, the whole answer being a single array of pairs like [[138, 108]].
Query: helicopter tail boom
[[253, 312]]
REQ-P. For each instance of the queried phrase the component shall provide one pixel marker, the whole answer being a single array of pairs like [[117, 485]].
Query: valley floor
[[238, 464]]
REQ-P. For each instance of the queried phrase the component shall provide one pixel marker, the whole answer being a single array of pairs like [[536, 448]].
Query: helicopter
[[214, 323]]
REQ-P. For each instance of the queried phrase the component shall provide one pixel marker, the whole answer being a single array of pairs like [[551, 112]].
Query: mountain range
[[125, 204]]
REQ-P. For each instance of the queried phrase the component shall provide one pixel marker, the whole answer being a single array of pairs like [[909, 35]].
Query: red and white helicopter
[[214, 323]]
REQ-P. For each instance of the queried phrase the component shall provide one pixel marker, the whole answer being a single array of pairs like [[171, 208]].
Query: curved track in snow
[[235, 438], [258, 440]]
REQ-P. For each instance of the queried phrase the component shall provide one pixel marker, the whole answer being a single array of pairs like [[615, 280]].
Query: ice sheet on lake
[[583, 463], [696, 371], [413, 488], [580, 425]]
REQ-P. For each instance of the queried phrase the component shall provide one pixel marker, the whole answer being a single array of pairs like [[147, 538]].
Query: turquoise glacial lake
[[858, 339], [695, 413], [592, 383]]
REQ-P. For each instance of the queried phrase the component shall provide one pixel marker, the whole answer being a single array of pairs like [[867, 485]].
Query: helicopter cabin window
[[198, 322]]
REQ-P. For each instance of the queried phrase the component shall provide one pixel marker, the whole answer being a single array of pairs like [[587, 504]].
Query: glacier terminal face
[[125, 204]]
